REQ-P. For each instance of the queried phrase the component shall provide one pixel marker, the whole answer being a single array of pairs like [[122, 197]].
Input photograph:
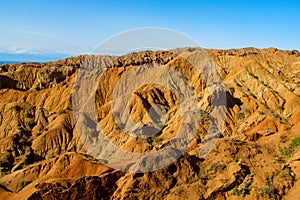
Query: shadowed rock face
[[6, 82], [43, 156], [88, 187]]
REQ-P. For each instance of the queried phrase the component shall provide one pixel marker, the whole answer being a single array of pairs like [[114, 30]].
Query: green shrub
[[205, 117], [223, 180], [240, 115], [22, 141], [276, 116], [19, 127], [241, 192], [119, 125], [268, 129], [51, 156], [217, 167], [204, 179], [30, 124], [288, 150], [247, 110], [244, 188], [156, 139], [160, 124], [44, 129], [60, 112], [23, 184], [269, 191], [279, 107], [93, 133], [27, 115], [295, 142], [261, 112], [16, 108], [287, 174], [91, 158], [149, 147], [283, 138]]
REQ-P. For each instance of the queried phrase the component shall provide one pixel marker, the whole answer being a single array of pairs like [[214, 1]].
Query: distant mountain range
[[27, 57]]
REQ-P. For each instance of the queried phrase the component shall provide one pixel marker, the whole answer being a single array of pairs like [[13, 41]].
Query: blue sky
[[78, 26]]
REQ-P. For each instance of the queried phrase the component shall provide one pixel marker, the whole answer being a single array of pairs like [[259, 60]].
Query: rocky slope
[[256, 157]]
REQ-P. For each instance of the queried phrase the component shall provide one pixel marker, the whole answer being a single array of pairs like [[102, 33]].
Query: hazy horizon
[[9, 58], [76, 27]]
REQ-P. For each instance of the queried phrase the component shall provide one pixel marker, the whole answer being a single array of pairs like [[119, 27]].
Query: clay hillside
[[257, 155]]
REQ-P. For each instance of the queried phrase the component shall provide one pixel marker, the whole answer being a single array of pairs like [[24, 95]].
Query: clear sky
[[78, 26]]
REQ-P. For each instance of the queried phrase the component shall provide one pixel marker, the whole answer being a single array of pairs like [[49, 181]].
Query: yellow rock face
[[43, 155]]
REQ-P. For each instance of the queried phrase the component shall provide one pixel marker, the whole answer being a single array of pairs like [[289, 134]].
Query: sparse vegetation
[[287, 174], [51, 156], [241, 192], [228, 161], [149, 147], [119, 125], [91, 158], [218, 166], [268, 129], [93, 133], [37, 134], [160, 124], [23, 184], [27, 115], [279, 159], [252, 140], [295, 142], [44, 129], [223, 180], [240, 115], [244, 188], [156, 139], [204, 179], [22, 141], [288, 150], [261, 112], [19, 127], [247, 110], [283, 138], [269, 191], [279, 107], [277, 116], [30, 124], [214, 129], [60, 112], [205, 117]]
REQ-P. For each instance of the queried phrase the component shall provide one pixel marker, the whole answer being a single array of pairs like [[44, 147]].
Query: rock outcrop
[[44, 156]]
